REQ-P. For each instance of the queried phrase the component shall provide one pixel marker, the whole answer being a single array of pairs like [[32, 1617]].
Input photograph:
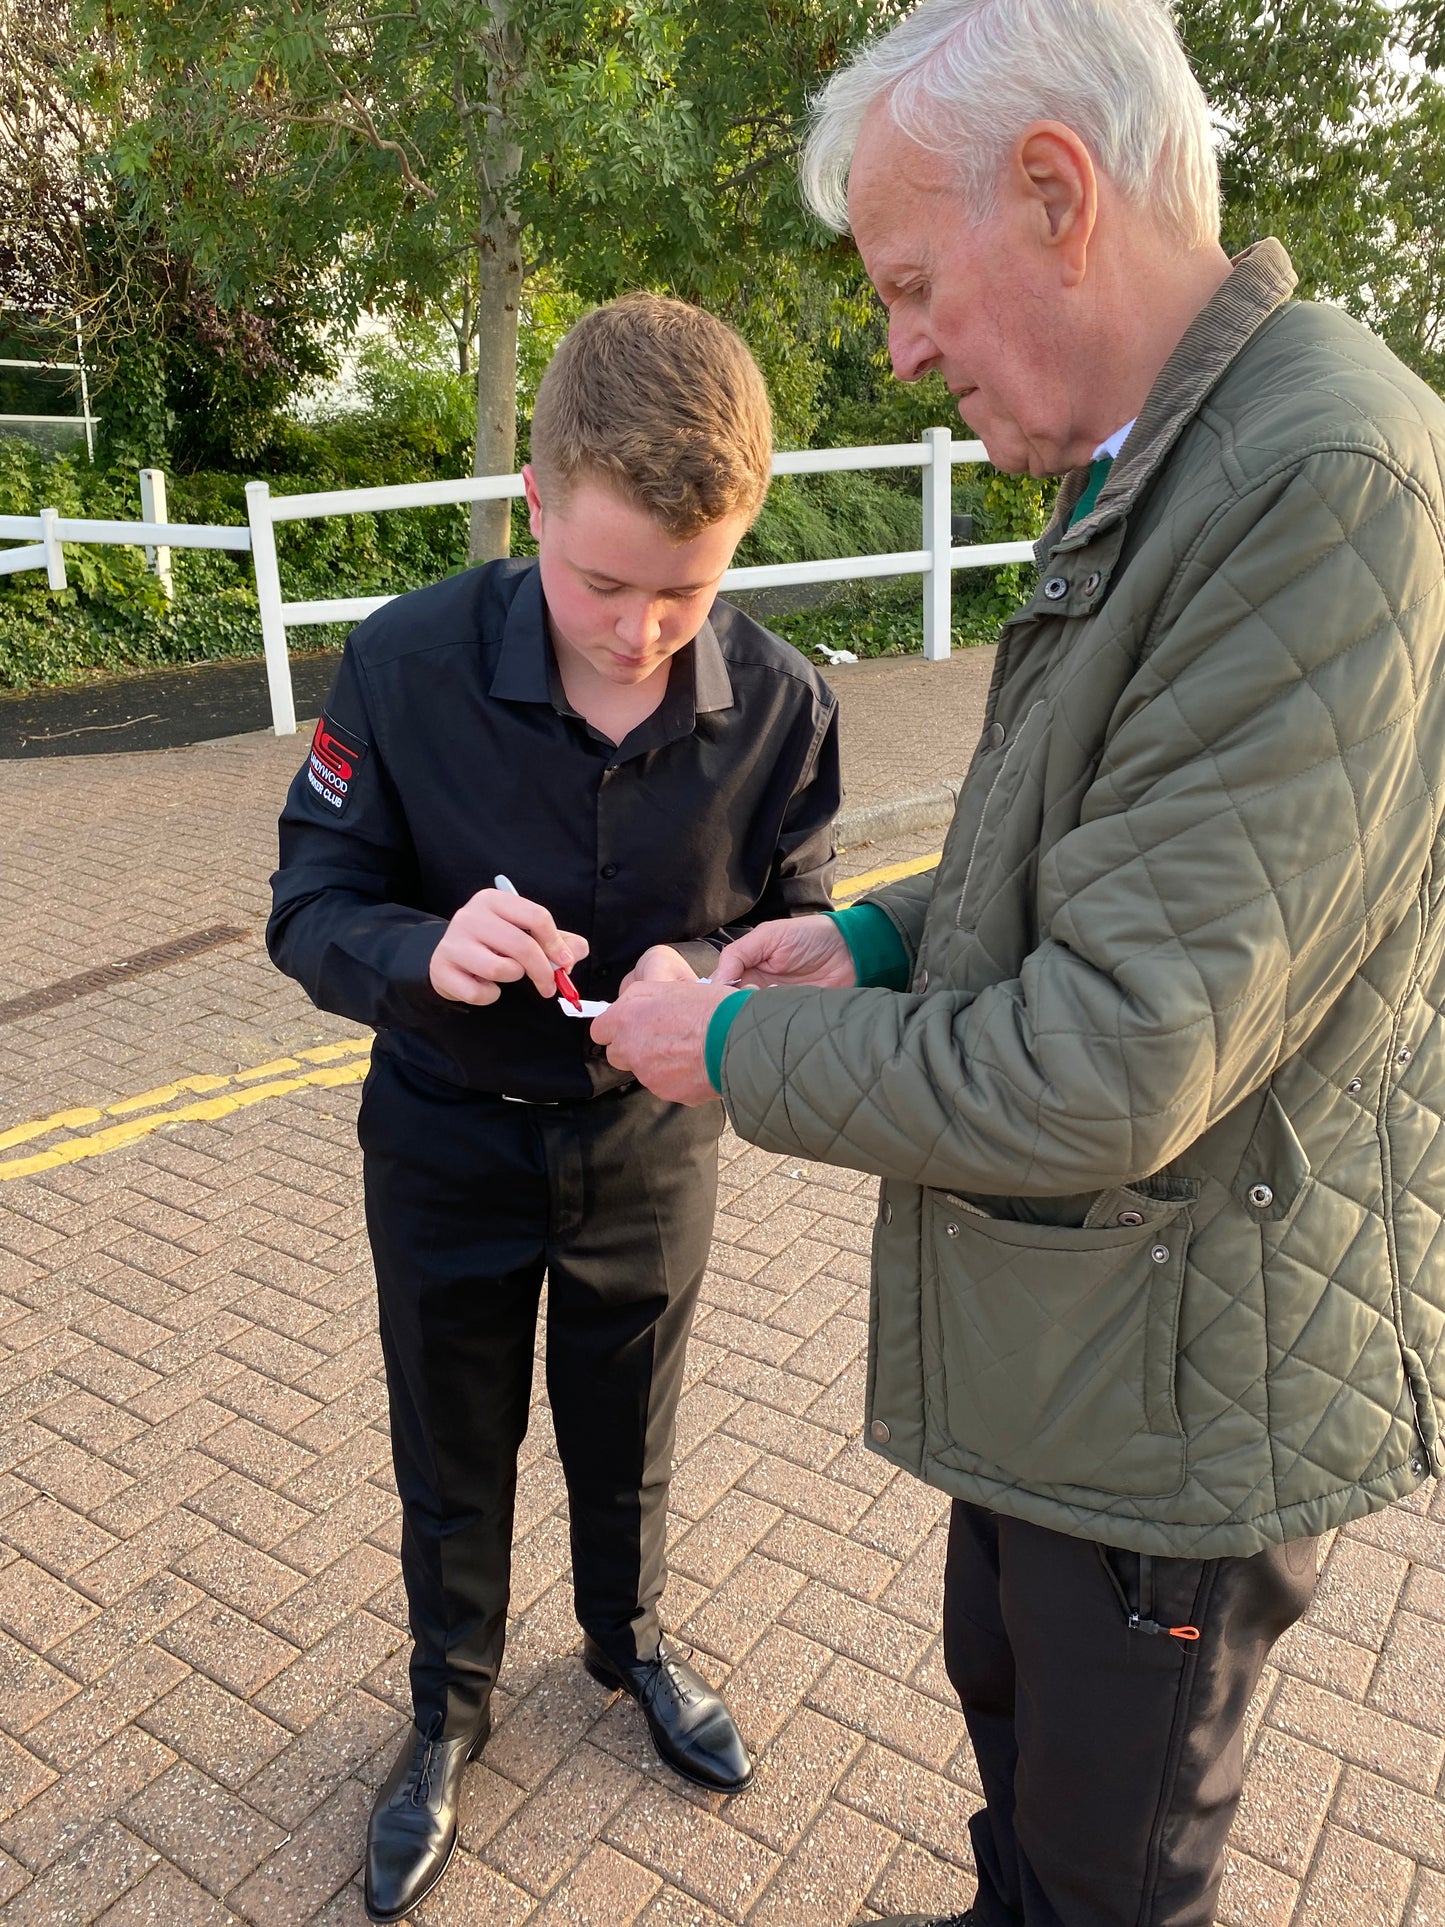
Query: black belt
[[558, 1103]]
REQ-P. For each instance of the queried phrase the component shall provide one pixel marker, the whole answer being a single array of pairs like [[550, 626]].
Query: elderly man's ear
[[1054, 177]]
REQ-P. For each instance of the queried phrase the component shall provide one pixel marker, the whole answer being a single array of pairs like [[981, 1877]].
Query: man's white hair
[[964, 78]]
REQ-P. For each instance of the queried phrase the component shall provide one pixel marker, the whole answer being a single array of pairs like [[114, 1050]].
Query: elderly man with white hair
[[1151, 1066]]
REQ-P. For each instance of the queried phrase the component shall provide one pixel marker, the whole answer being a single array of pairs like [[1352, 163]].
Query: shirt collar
[[1107, 450], [520, 675], [712, 685], [526, 667]]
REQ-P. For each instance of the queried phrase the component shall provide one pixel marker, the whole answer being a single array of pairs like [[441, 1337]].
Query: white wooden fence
[[936, 456]]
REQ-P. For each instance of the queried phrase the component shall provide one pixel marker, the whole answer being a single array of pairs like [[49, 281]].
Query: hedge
[[113, 616]]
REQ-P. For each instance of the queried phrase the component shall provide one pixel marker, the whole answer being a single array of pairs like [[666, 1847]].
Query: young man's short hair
[[662, 402]]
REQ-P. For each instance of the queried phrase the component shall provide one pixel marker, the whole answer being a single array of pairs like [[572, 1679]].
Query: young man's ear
[[534, 499]]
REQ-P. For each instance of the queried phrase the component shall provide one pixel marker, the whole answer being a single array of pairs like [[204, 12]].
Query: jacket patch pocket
[[1057, 1348]]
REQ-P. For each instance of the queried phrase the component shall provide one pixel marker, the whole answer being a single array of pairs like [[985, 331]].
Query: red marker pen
[[565, 986]]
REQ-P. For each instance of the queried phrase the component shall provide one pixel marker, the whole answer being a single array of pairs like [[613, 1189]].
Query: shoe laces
[[421, 1792], [669, 1663]]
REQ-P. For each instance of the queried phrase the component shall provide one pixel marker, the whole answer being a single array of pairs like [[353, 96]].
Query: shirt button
[[609, 870], [879, 1432], [1056, 587], [922, 983], [995, 736]]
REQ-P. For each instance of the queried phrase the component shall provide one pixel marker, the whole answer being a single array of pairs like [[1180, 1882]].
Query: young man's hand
[[498, 939], [659, 965], [790, 953]]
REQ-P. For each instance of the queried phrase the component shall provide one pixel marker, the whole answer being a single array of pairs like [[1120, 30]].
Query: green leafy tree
[[431, 155], [1330, 116]]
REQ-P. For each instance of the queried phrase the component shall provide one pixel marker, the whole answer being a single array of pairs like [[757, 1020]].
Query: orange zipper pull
[[1183, 1632]]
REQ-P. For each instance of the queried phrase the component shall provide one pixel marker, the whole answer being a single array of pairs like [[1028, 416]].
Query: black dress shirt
[[447, 753]]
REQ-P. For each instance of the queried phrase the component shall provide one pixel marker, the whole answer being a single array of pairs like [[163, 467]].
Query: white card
[[590, 1008]]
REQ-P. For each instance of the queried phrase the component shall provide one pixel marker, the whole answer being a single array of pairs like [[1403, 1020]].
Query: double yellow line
[[215, 1096], [325, 1064]]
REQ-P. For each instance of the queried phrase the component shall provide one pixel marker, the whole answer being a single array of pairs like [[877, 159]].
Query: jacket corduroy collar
[[1261, 280]]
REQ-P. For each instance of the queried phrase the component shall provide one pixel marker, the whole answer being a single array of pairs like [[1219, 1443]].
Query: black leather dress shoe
[[927, 1920], [413, 1828], [691, 1727]]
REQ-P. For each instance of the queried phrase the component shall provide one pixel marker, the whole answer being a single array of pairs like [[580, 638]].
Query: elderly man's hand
[[791, 952], [657, 1031]]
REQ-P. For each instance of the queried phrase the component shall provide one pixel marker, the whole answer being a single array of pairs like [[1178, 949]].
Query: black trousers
[[1110, 1754], [470, 1201]]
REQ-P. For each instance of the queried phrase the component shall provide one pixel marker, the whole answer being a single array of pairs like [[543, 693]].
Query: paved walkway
[[202, 1647]]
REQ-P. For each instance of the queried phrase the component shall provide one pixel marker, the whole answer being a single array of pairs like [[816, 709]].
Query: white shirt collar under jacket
[[1115, 442]]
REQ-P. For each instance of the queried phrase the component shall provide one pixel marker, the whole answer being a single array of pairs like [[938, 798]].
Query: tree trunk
[[498, 297]]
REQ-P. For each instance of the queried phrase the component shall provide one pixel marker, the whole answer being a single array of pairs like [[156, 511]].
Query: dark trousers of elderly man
[[1113, 1715], [1152, 1064]]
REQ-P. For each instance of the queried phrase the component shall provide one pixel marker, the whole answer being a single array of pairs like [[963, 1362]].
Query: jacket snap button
[[1417, 1466], [1131, 1217], [609, 870], [1056, 586], [886, 1213], [1092, 581], [952, 1230], [1355, 1086], [1260, 1195], [995, 736], [1160, 1254], [922, 983], [879, 1431], [1403, 1054]]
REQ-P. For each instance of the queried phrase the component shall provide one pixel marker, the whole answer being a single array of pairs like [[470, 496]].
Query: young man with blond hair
[[651, 772]]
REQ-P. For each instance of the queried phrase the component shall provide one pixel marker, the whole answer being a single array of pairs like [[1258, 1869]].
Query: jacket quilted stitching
[[1159, 1255]]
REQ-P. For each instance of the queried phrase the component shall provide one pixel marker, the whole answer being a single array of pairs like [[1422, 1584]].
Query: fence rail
[[936, 456], [53, 529]]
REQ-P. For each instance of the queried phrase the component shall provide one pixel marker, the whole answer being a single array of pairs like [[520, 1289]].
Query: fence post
[[153, 509], [938, 540], [268, 601], [54, 554]]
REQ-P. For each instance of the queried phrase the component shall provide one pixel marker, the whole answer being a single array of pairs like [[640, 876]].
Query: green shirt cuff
[[880, 956], [720, 1023]]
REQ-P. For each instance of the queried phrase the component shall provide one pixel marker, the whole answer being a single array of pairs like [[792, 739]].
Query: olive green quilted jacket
[[1160, 1256]]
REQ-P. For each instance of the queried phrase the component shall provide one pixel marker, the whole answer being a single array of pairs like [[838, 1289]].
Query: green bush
[[416, 425]]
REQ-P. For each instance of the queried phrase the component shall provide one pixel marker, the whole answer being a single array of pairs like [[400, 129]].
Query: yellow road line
[[851, 887], [324, 1065], [234, 1093]]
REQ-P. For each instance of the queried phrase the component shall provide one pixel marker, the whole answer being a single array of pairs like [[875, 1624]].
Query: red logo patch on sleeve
[[335, 757]]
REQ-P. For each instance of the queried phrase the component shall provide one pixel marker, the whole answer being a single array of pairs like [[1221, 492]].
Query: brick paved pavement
[[202, 1652]]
